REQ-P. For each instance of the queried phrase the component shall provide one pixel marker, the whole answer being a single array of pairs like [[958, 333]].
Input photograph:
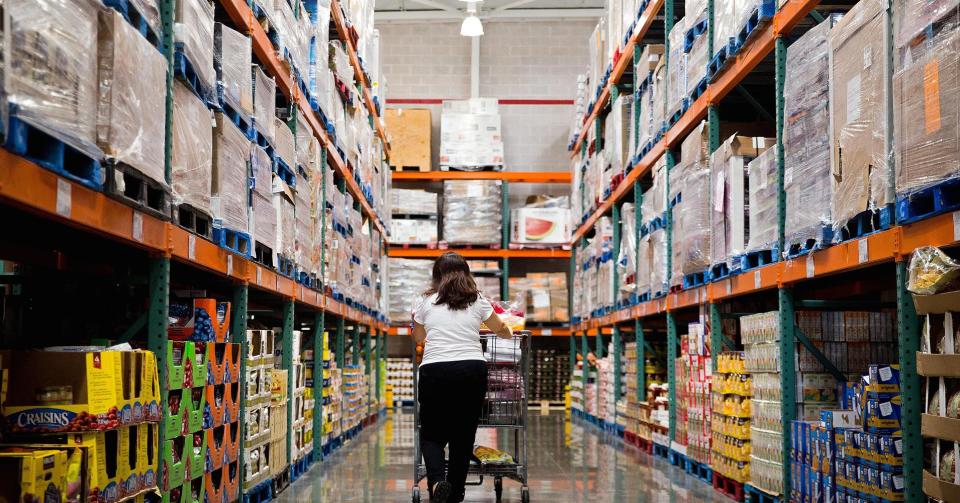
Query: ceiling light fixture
[[471, 27]]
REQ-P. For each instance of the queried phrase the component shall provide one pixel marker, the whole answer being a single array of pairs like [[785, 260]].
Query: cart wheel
[[498, 488], [416, 495], [525, 494]]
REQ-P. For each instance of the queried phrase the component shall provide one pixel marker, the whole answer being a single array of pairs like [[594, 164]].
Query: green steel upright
[[616, 340], [157, 327], [716, 334], [641, 342], [287, 362], [908, 330], [780, 59], [238, 332], [355, 343], [788, 377], [505, 240], [341, 345], [573, 353], [166, 36], [672, 344]]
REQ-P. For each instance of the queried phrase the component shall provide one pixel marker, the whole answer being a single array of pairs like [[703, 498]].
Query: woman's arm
[[498, 326], [419, 333]]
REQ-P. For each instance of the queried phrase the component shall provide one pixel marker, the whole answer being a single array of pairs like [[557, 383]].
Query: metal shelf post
[[641, 371], [287, 362], [908, 330], [238, 331], [788, 377], [671, 371], [157, 328], [319, 321]]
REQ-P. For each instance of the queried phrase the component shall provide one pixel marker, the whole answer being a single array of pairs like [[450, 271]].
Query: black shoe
[[441, 492]]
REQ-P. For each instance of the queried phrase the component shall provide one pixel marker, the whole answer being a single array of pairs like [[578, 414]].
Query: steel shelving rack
[[855, 258], [26, 186]]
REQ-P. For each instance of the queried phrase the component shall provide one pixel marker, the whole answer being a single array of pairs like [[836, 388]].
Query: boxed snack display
[[130, 114], [471, 211], [858, 112], [34, 475]]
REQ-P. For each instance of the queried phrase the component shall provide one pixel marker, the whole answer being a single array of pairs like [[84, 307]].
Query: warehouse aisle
[[570, 462]]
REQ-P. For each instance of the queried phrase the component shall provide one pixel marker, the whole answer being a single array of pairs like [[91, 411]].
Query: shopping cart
[[505, 408]]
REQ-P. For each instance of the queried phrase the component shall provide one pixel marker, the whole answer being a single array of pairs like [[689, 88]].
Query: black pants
[[451, 399]]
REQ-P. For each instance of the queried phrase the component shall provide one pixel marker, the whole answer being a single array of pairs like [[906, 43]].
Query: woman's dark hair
[[453, 283]]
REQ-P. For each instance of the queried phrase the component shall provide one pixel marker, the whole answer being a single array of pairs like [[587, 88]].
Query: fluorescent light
[[471, 27]]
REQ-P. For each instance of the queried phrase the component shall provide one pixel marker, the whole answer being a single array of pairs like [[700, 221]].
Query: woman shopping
[[453, 372]]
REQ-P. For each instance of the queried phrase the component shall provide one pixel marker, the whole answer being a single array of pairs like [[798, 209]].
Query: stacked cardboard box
[[694, 392], [408, 279], [256, 442], [400, 377], [470, 135], [549, 374], [471, 212], [546, 295]]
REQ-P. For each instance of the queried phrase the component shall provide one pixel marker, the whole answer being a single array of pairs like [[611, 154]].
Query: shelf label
[[757, 281], [546, 331], [729, 286], [862, 253], [259, 276], [810, 265], [64, 198], [137, 226], [191, 247], [956, 225], [403, 331], [229, 264]]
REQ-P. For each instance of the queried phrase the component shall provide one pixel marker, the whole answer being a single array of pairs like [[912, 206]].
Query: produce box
[[540, 226]]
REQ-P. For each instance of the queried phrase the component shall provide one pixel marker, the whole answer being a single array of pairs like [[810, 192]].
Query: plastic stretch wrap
[[695, 10], [409, 278], [130, 121], [193, 32], [232, 60], [306, 143], [285, 143], [763, 201], [677, 70], [264, 225], [231, 151], [264, 102], [613, 26], [644, 121], [617, 133], [658, 97], [729, 196], [304, 227], [341, 62], [191, 162], [627, 261], [320, 77], [913, 17], [926, 96], [644, 265], [697, 60], [691, 218], [806, 147], [413, 202], [726, 17], [286, 224], [471, 211], [658, 261], [858, 112], [50, 74]]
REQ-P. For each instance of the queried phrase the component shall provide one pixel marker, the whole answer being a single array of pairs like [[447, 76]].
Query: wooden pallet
[[406, 169]]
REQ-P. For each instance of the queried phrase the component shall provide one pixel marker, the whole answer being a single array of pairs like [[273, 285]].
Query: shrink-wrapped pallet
[[413, 202], [130, 115], [284, 143], [926, 96], [763, 201], [618, 129], [658, 261], [304, 236], [806, 146], [283, 203], [409, 278], [231, 152], [677, 68], [307, 145], [858, 112], [193, 34], [264, 102], [50, 67], [689, 186], [232, 62], [471, 211], [697, 59], [263, 221], [191, 159], [729, 195], [627, 260]]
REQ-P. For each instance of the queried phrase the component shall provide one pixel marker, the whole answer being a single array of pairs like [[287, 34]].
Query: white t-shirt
[[451, 335]]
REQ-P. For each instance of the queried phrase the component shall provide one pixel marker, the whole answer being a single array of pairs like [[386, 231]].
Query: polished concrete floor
[[569, 462]]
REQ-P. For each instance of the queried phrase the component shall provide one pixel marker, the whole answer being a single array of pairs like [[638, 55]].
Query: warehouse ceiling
[[400, 10]]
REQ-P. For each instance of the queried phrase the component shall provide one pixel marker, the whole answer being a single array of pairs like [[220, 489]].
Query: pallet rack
[[166, 250], [851, 261]]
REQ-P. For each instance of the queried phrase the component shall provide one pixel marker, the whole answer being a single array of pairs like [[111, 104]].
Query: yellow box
[[39, 474]]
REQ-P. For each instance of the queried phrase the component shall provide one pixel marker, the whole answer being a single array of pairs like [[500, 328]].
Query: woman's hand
[[419, 333], [498, 326]]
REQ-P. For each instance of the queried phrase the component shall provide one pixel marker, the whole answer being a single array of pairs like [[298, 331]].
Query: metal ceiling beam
[[438, 5], [511, 5], [445, 15]]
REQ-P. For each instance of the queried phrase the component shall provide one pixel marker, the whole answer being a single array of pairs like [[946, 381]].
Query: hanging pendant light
[[471, 27]]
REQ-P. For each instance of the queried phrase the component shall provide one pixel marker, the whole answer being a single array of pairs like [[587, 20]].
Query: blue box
[[884, 378]]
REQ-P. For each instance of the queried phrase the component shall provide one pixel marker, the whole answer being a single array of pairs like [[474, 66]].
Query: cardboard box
[[230, 178], [729, 186], [858, 111], [96, 385], [33, 475], [413, 231], [540, 226], [204, 320], [937, 303], [946, 428], [926, 100], [410, 136], [940, 489], [413, 202]]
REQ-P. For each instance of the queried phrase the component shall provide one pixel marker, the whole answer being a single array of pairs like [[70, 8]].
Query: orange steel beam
[[241, 14], [749, 56], [337, 16], [894, 244], [618, 69], [394, 251], [25, 185], [507, 176]]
